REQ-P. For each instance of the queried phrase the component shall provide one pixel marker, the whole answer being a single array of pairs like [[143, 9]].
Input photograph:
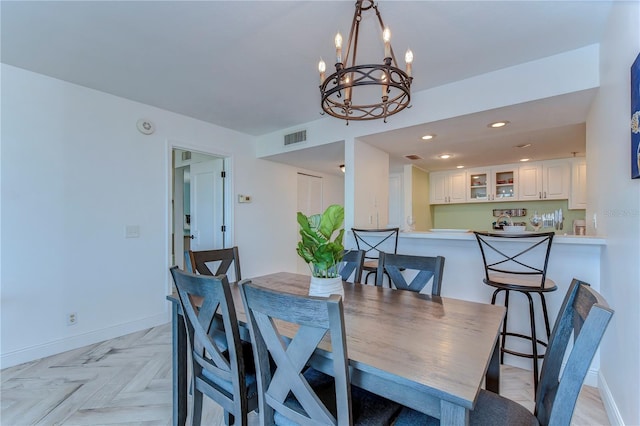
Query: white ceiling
[[251, 65]]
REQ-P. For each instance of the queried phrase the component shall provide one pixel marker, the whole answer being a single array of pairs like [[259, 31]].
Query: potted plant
[[322, 254]]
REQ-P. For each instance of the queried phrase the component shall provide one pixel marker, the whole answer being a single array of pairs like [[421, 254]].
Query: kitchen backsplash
[[479, 216]]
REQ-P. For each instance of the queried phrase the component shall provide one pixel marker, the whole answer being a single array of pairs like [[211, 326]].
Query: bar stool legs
[[534, 355]]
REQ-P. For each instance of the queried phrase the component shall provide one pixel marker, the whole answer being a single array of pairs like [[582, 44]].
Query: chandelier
[[365, 92]]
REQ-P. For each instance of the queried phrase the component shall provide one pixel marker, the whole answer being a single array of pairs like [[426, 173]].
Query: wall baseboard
[[615, 418], [32, 353], [591, 379]]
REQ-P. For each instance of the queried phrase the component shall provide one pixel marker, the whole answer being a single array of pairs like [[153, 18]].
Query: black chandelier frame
[[395, 83]]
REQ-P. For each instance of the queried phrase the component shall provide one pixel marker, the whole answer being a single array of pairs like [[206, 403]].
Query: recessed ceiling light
[[524, 159], [524, 145], [428, 137], [444, 156], [498, 124], [460, 167]]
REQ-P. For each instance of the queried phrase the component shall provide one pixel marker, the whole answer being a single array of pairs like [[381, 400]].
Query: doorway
[[199, 203], [310, 202]]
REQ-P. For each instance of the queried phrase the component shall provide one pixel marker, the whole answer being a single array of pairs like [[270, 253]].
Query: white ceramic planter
[[324, 287]]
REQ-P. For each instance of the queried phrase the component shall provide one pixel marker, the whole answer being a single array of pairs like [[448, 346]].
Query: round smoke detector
[[145, 126]]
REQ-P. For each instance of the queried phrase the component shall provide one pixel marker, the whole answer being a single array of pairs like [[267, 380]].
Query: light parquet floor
[[127, 381]]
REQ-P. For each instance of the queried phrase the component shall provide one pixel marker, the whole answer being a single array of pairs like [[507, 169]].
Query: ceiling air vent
[[296, 137], [413, 157]]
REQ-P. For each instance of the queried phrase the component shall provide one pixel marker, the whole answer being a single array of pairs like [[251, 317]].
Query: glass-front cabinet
[[559, 179], [492, 184]]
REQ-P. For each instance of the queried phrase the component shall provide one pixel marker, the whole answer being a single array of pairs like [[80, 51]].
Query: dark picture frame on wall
[[635, 118]]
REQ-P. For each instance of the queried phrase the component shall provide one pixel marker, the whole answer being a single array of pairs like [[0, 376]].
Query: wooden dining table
[[430, 353]]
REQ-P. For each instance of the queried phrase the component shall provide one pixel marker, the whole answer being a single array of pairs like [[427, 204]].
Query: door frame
[[228, 205]]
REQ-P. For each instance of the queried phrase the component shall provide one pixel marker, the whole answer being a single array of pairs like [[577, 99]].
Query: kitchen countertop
[[459, 235]]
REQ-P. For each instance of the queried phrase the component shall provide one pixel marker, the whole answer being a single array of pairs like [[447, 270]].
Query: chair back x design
[[204, 262], [373, 242], [526, 265], [316, 317], [584, 314], [351, 265], [292, 391], [424, 268], [222, 366]]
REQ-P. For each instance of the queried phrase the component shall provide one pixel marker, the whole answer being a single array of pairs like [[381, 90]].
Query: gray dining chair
[[221, 364], [584, 315], [291, 392], [205, 261], [351, 265], [425, 269]]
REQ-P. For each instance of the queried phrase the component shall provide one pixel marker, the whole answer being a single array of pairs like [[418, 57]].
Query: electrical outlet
[[72, 318]]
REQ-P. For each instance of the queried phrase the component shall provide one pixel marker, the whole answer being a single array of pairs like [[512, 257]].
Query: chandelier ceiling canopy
[[365, 92]]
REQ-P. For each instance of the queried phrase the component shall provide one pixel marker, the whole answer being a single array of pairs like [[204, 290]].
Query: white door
[[207, 198], [396, 201]]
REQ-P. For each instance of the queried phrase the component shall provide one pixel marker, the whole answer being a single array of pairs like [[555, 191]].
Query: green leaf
[[315, 245]]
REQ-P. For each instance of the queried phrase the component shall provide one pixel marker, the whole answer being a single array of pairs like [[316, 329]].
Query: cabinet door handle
[[545, 194], [540, 195]]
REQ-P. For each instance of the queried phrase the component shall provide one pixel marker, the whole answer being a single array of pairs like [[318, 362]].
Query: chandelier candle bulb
[[322, 67], [338, 41], [386, 36], [347, 90], [408, 58]]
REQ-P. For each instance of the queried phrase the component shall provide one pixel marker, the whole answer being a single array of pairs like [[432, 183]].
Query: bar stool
[[519, 265], [374, 241]]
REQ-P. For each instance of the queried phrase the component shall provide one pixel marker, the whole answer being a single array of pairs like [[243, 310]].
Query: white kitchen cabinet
[[544, 180], [447, 187], [490, 184], [578, 193]]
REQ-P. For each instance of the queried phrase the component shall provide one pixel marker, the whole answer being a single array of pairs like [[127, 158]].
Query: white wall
[[75, 173], [615, 198], [560, 74]]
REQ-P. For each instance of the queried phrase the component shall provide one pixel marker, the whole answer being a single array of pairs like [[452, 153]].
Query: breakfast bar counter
[[571, 257]]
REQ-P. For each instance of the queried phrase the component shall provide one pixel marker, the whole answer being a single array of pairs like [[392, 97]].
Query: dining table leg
[[179, 366], [452, 414], [492, 378]]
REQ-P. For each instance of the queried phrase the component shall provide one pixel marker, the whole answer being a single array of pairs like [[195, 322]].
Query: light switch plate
[[244, 198]]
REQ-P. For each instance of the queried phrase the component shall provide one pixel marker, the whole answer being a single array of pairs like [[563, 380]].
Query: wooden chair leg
[[196, 412]]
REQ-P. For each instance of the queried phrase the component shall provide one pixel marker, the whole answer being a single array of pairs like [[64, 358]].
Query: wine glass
[[536, 221], [411, 222]]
